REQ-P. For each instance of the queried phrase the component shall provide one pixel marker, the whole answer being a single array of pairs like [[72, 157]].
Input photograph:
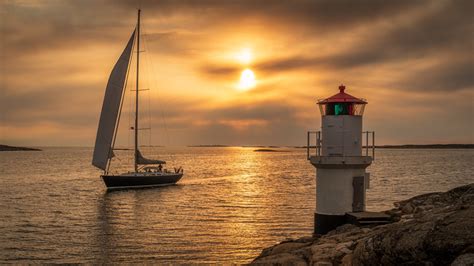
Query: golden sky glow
[[244, 56], [239, 72]]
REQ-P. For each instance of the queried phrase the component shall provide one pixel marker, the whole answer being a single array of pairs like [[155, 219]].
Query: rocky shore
[[429, 229]]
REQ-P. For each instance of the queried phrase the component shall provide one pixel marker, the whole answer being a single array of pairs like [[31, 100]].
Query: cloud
[[57, 54], [67, 106], [265, 123], [446, 77], [30, 28], [441, 32], [323, 14]]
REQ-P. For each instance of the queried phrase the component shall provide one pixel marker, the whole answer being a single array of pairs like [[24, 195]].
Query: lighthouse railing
[[314, 144], [369, 143], [317, 136]]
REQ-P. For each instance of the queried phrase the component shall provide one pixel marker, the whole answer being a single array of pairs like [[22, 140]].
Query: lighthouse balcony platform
[[339, 162]]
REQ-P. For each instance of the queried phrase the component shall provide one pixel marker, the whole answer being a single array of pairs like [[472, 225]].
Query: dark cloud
[[424, 45], [66, 107], [174, 43], [72, 23], [323, 14], [267, 110], [221, 70], [50, 25], [272, 134], [265, 123], [448, 76], [443, 33]]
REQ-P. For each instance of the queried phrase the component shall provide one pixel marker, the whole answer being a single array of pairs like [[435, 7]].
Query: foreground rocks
[[430, 229]]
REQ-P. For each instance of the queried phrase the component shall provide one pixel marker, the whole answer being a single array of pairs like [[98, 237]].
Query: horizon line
[[239, 145]]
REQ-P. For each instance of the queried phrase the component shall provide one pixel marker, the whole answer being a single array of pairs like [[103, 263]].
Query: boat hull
[[140, 180]]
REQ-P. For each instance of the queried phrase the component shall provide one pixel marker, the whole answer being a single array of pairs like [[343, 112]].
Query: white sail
[[143, 160], [110, 108]]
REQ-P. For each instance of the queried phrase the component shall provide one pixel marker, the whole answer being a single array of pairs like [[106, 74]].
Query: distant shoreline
[[403, 146], [240, 146], [416, 146], [427, 146], [14, 148]]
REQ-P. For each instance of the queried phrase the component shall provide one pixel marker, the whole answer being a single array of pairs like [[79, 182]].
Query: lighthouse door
[[358, 196]]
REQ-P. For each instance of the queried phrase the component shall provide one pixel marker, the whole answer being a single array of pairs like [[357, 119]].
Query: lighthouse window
[[358, 109], [342, 108], [330, 109], [338, 109], [346, 108]]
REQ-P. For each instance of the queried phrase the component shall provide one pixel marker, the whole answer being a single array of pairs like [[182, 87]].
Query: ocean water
[[231, 203]]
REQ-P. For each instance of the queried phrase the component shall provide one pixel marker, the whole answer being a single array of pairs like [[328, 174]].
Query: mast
[[136, 94]]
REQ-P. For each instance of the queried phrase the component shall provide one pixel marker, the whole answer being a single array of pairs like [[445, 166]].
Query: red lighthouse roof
[[342, 97]]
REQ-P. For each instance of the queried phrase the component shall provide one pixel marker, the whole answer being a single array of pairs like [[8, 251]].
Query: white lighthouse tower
[[341, 157]]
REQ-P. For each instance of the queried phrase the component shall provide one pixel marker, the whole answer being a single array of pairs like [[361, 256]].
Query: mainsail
[[110, 108], [143, 160]]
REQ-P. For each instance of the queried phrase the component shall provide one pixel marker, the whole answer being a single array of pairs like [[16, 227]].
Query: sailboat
[[146, 172]]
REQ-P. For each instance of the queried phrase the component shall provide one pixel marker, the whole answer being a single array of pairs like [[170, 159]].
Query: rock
[[408, 208], [266, 252], [287, 247], [431, 237], [323, 263], [347, 260], [463, 260], [429, 229], [304, 253], [305, 239], [281, 259], [345, 247]]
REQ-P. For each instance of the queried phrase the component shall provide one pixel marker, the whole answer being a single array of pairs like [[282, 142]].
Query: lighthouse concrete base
[[324, 223]]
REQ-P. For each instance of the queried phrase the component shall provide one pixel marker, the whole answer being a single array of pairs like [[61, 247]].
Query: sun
[[247, 80]]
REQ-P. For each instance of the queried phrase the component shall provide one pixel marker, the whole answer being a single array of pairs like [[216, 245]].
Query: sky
[[237, 72]]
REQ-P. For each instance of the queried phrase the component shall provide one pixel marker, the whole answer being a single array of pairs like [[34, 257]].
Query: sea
[[231, 203]]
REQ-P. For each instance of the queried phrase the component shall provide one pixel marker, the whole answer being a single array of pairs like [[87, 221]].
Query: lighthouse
[[341, 152]]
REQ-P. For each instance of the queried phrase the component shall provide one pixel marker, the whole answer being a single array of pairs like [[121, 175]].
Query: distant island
[[13, 148], [259, 146], [268, 150], [208, 145]]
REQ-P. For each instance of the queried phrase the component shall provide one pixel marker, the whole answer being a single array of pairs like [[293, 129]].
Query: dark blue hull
[[140, 180]]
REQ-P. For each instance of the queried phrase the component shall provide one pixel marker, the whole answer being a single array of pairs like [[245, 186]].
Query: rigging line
[[130, 114], [160, 109], [149, 119], [147, 63], [147, 85], [150, 69], [131, 121], [148, 60]]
